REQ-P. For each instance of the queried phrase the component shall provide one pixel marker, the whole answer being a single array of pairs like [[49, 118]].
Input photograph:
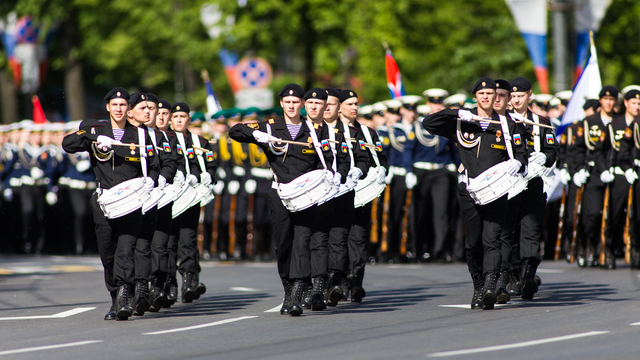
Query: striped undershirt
[[118, 134], [293, 130]]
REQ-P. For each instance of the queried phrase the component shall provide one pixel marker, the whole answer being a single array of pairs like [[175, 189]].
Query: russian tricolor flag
[[394, 79]]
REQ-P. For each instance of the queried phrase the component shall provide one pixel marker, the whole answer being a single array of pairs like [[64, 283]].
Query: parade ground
[[53, 308]]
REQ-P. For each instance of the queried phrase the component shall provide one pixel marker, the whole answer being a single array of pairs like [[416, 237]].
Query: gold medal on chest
[[133, 149], [498, 135]]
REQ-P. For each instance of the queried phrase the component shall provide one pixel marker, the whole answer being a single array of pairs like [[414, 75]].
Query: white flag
[[587, 87]]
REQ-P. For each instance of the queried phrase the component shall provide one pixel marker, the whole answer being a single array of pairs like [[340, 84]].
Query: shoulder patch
[[253, 125], [517, 139], [550, 139], [271, 121], [336, 130], [166, 147], [210, 156], [80, 132]]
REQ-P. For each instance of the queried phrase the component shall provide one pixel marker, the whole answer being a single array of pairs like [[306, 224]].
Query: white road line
[[468, 306], [221, 322], [275, 309], [61, 315], [635, 324], [243, 289], [550, 271], [48, 347], [516, 345]]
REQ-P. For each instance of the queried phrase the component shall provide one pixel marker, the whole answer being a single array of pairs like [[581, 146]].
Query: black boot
[[478, 284], [188, 293], [123, 310], [334, 290], [317, 296], [489, 296], [529, 285], [306, 294], [357, 291], [635, 259], [286, 302], [609, 259], [157, 297], [111, 315], [501, 287], [296, 297], [197, 286], [591, 259], [140, 301], [514, 283], [345, 284], [171, 290]]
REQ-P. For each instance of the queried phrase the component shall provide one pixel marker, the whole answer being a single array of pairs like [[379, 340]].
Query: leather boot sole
[[488, 300], [123, 313], [295, 310], [188, 296], [111, 315], [142, 306], [503, 297], [528, 289], [335, 295], [317, 302], [201, 289], [357, 294]]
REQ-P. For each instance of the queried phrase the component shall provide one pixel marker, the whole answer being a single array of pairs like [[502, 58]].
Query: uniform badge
[[133, 149], [253, 125], [149, 150], [179, 149], [80, 132], [344, 147], [498, 135], [550, 139], [44, 156], [580, 131], [471, 136], [271, 121], [385, 141], [563, 139], [628, 132], [166, 147], [378, 146], [308, 151], [325, 145], [210, 156], [412, 135], [190, 153], [362, 145], [517, 139], [603, 135]]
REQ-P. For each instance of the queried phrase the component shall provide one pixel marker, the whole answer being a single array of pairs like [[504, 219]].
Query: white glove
[[389, 178], [537, 157], [516, 116], [205, 179], [239, 171], [263, 137], [149, 184], [8, 194], [251, 186], [192, 180], [355, 173], [382, 174], [162, 182], [465, 115], [221, 173], [233, 187], [337, 179], [83, 165], [51, 198], [579, 179], [218, 187], [513, 166], [411, 180], [36, 173], [105, 142], [179, 178], [564, 176], [329, 175], [631, 176], [350, 184], [606, 176], [550, 172]]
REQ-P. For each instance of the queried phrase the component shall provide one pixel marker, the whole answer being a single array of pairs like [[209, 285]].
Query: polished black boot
[[501, 287], [345, 284], [635, 259], [197, 286], [357, 291], [513, 287], [334, 290], [478, 284], [306, 294], [140, 301], [529, 285], [591, 259], [171, 290], [609, 259], [188, 293], [296, 297], [286, 302], [157, 297], [489, 296], [317, 296], [123, 310], [111, 315]]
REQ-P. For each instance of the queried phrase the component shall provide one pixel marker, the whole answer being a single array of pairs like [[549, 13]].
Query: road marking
[[516, 345], [61, 315], [275, 309], [468, 306], [221, 322], [48, 347], [243, 289], [550, 271], [75, 268], [635, 324]]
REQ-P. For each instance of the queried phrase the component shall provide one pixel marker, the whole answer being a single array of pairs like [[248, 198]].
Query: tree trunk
[[73, 79], [8, 98]]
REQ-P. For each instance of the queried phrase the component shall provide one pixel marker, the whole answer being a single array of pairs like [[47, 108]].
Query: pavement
[[53, 307]]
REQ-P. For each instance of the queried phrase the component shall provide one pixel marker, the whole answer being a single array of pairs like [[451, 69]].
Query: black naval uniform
[[630, 151]]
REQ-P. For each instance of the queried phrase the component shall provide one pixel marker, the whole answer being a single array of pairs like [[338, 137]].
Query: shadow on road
[[211, 305], [386, 300]]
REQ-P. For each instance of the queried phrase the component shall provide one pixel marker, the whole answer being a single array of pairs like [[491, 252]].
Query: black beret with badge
[[332, 92], [292, 90], [609, 90], [164, 104], [346, 94], [520, 84], [632, 94], [316, 93], [484, 83], [503, 84], [117, 93], [152, 98], [137, 98], [180, 107]]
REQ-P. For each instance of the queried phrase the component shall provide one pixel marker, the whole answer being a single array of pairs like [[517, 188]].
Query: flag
[[394, 79], [229, 61], [588, 15], [213, 106], [38, 113]]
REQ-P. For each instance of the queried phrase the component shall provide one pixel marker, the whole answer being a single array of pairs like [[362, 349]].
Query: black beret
[[164, 104], [591, 103], [632, 94], [609, 90], [346, 94], [484, 83], [180, 106], [503, 84], [292, 90], [152, 98], [137, 98], [520, 84], [332, 92], [316, 93], [117, 93]]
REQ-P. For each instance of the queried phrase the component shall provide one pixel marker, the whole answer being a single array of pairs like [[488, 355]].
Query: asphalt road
[[52, 307]]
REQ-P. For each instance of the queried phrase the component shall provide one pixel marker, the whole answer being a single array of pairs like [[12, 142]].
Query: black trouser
[[635, 221], [431, 206], [160, 242], [396, 212], [79, 200], [319, 244], [617, 212], [292, 233], [183, 238], [143, 246], [223, 223], [209, 213], [508, 243], [32, 211], [116, 244], [341, 223], [530, 220], [483, 224], [591, 219], [569, 209], [359, 237]]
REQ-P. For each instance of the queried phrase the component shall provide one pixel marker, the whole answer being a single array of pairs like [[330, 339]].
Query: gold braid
[[238, 155], [224, 151], [257, 158]]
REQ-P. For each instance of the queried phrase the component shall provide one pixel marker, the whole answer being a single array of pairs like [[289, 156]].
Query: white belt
[[618, 171], [452, 167], [428, 166], [81, 185], [15, 182], [239, 171], [398, 171], [26, 180], [262, 173], [64, 180]]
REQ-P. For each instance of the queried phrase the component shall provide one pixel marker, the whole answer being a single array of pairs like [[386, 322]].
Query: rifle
[[385, 216], [232, 225], [373, 236], [576, 218], [627, 236], [200, 231], [405, 224], [250, 227], [603, 226], [214, 227], [560, 223]]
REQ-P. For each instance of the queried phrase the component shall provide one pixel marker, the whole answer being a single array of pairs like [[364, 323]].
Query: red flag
[[394, 79], [38, 113]]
